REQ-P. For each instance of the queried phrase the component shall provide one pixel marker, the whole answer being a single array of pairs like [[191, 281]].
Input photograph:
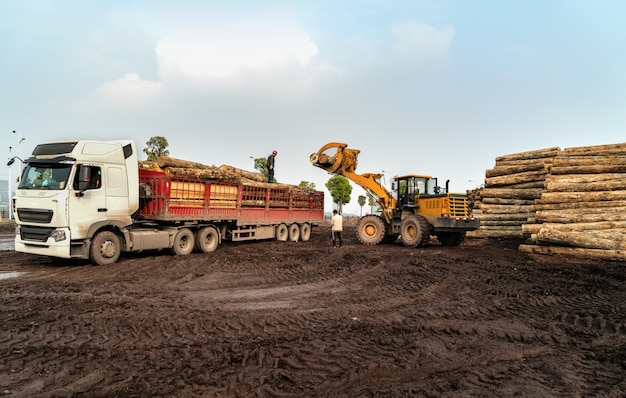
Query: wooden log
[[146, 165], [577, 205], [504, 201], [207, 173], [503, 217], [484, 233], [589, 226], [565, 161], [506, 193], [518, 178], [596, 149], [502, 223], [602, 185], [254, 176], [514, 169], [587, 239], [589, 169], [534, 154], [570, 217], [539, 184], [537, 162], [598, 254], [504, 209], [584, 178], [166, 161], [561, 197]]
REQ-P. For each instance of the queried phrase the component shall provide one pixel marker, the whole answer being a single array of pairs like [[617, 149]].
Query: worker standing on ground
[[336, 226], [270, 166]]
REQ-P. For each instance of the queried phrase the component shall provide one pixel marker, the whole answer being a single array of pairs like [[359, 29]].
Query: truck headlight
[[58, 235]]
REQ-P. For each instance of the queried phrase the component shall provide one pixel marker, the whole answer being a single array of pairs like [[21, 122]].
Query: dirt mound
[[304, 319]]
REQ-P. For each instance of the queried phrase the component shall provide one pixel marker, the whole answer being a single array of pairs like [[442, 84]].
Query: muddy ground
[[305, 320]]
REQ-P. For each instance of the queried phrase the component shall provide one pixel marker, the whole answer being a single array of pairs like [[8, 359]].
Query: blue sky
[[430, 87]]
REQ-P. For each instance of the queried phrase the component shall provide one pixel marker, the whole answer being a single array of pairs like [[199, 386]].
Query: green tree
[[260, 164], [361, 203], [157, 146], [340, 190], [307, 184]]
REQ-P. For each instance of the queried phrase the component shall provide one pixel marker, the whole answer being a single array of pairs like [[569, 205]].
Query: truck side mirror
[[84, 176]]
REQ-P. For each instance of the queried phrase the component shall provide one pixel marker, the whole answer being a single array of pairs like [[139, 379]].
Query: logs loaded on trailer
[[566, 202]]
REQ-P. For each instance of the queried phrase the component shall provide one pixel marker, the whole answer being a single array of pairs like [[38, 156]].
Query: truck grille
[[36, 234], [35, 215], [458, 207]]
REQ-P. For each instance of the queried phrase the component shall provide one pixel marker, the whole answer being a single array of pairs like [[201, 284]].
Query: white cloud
[[129, 89], [226, 53]]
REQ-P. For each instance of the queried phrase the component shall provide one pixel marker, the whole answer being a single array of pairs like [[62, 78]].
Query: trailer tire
[[282, 233], [294, 232], [207, 239], [183, 242], [105, 248], [305, 232], [370, 230]]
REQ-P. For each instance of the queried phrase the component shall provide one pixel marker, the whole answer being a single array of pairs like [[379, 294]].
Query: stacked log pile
[[197, 171], [582, 211], [510, 190]]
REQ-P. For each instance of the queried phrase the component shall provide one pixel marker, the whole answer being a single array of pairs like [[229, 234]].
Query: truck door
[[87, 201]]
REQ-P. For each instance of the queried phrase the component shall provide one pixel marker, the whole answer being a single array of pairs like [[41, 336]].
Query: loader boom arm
[[344, 162]]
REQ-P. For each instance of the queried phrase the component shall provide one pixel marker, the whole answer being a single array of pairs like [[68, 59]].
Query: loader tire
[[370, 230], [415, 231]]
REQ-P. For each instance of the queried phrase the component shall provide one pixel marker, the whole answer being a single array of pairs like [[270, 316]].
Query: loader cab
[[409, 187]]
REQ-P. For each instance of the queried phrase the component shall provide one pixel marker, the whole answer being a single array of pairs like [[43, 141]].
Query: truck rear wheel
[[183, 242], [282, 233], [370, 230], [294, 232], [305, 232], [207, 239], [105, 248]]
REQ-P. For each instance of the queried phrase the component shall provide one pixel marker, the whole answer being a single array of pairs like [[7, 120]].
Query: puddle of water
[[10, 274], [7, 243]]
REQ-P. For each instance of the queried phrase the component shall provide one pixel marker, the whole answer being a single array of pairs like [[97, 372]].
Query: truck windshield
[[45, 176]]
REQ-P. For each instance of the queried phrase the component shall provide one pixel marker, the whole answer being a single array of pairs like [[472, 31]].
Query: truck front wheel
[[370, 230], [183, 242], [105, 248], [207, 239]]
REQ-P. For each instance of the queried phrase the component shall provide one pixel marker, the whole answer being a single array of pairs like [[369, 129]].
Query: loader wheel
[[294, 232], [183, 242], [451, 238], [415, 231], [305, 232], [370, 230], [105, 248], [207, 239], [282, 233]]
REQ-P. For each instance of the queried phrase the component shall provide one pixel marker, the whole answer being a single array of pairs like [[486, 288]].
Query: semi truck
[[86, 199]]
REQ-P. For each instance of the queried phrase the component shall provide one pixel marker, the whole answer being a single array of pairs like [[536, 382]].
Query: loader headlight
[[58, 235]]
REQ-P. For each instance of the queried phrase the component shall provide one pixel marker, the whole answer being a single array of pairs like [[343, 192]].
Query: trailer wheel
[[282, 233], [305, 232], [294, 232], [183, 242], [105, 248], [207, 239], [370, 230]]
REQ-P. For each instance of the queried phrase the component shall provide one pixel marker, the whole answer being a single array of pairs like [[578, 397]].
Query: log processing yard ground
[[301, 319]]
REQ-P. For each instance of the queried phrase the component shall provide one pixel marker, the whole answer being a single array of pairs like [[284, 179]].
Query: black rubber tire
[[294, 232], [207, 239], [370, 230], [282, 233], [106, 248], [411, 231], [183, 242], [305, 232], [451, 238]]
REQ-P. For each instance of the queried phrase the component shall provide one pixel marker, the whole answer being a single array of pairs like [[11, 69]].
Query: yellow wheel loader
[[420, 209]]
